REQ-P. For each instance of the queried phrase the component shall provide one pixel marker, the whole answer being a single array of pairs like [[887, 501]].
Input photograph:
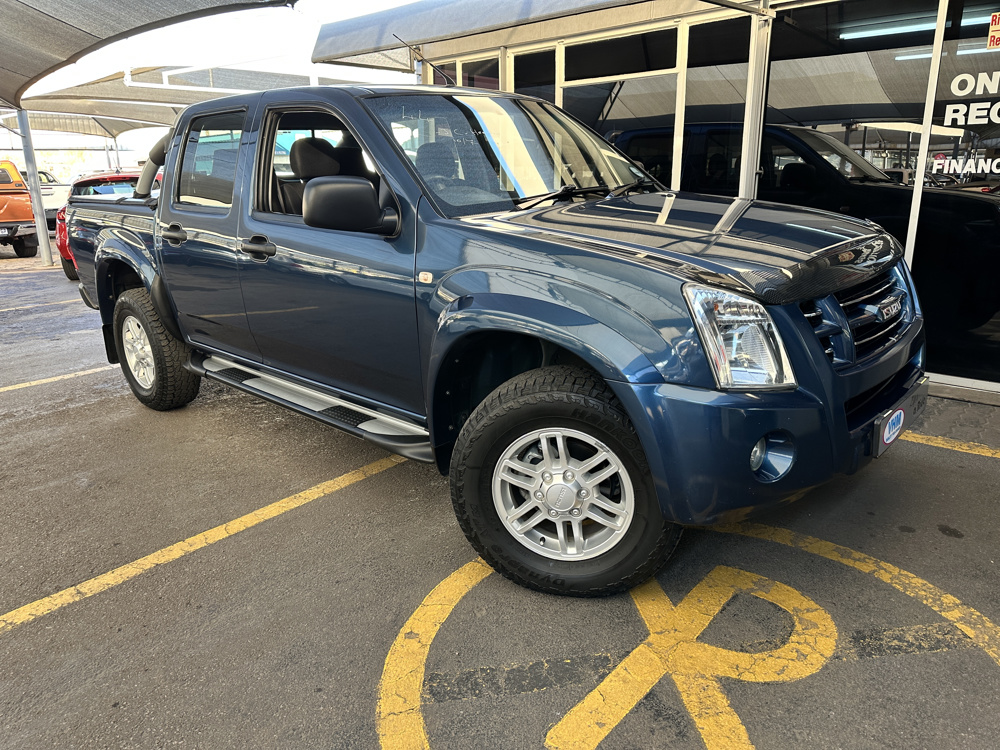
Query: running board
[[392, 433]]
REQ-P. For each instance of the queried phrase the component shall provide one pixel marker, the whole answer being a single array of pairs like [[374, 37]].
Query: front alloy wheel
[[563, 494], [551, 486]]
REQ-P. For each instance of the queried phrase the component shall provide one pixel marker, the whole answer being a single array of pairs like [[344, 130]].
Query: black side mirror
[[349, 204]]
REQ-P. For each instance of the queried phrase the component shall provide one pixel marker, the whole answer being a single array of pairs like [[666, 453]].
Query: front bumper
[[698, 441]]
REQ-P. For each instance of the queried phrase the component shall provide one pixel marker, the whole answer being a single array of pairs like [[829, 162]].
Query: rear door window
[[208, 164]]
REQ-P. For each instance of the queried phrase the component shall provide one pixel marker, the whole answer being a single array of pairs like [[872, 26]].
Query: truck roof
[[358, 91]]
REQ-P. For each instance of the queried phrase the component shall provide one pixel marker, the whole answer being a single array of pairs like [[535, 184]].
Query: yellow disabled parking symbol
[[673, 650]]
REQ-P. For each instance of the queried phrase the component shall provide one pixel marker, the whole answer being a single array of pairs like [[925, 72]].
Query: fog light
[[772, 456], [757, 454]]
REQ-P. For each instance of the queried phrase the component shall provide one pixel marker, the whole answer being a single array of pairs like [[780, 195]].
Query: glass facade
[[846, 86]]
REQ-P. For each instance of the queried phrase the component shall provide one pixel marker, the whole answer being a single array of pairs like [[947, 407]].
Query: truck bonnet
[[778, 253]]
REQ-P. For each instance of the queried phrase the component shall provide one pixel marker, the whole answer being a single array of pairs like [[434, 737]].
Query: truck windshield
[[479, 154], [844, 159]]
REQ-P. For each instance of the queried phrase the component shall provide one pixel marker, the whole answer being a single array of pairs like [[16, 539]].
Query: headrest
[[224, 162], [798, 175], [436, 158], [313, 157]]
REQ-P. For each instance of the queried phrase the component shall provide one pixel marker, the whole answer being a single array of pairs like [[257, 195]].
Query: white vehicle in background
[[54, 195]]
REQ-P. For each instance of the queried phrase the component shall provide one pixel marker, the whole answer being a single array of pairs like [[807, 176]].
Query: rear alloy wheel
[[551, 486], [152, 359], [69, 269], [22, 249]]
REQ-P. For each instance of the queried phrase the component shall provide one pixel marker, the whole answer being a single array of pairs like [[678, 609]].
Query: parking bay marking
[[126, 572], [39, 304], [954, 445], [399, 717], [57, 378], [672, 649]]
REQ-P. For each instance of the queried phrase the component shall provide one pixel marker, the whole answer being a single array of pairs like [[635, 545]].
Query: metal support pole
[[756, 100], [864, 143], [925, 133], [34, 187]]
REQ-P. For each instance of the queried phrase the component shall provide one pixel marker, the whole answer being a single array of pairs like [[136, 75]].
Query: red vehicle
[[103, 184]]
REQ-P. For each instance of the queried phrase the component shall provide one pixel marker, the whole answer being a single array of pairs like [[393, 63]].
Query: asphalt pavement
[[233, 575]]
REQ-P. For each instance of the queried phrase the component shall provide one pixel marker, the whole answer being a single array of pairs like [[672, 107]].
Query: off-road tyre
[[69, 269], [171, 385], [557, 398], [22, 249]]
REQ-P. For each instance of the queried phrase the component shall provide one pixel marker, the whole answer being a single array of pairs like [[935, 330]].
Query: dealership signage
[[981, 112], [993, 40]]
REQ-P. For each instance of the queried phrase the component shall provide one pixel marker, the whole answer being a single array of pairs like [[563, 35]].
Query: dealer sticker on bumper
[[890, 425]]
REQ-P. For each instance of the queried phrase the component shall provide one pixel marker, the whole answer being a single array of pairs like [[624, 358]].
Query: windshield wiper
[[625, 189], [566, 191]]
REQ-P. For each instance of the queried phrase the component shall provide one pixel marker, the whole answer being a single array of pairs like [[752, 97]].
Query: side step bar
[[392, 433]]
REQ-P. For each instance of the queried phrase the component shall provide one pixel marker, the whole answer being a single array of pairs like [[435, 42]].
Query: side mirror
[[348, 204]]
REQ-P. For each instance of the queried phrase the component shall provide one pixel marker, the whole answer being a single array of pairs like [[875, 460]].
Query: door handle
[[258, 247], [174, 234]]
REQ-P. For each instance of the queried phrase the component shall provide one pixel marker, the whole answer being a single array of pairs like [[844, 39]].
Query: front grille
[[857, 323]]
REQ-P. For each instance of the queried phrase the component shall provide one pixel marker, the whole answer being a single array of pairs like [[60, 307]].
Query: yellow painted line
[[978, 627], [953, 445], [693, 666], [57, 378], [120, 575], [399, 720], [41, 304], [672, 649]]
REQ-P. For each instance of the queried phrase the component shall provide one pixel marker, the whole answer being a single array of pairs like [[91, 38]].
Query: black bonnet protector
[[777, 253]]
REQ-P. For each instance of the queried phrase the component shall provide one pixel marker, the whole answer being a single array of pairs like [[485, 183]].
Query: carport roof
[[41, 36], [65, 123], [368, 40], [157, 94]]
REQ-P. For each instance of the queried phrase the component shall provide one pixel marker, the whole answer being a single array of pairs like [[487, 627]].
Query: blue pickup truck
[[477, 280]]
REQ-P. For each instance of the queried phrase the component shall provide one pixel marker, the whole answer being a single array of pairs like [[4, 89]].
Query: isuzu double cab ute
[[476, 280]]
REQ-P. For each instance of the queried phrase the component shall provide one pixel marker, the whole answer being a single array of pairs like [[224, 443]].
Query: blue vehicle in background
[[476, 280]]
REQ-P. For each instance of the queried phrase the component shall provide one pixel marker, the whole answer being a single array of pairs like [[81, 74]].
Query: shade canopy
[[368, 40], [41, 36], [157, 94], [108, 127]]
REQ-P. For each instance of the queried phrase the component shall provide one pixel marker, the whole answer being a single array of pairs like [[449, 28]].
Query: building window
[[535, 74], [639, 53], [482, 74], [448, 69]]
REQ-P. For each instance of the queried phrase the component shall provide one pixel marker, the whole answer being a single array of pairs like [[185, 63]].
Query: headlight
[[740, 339]]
